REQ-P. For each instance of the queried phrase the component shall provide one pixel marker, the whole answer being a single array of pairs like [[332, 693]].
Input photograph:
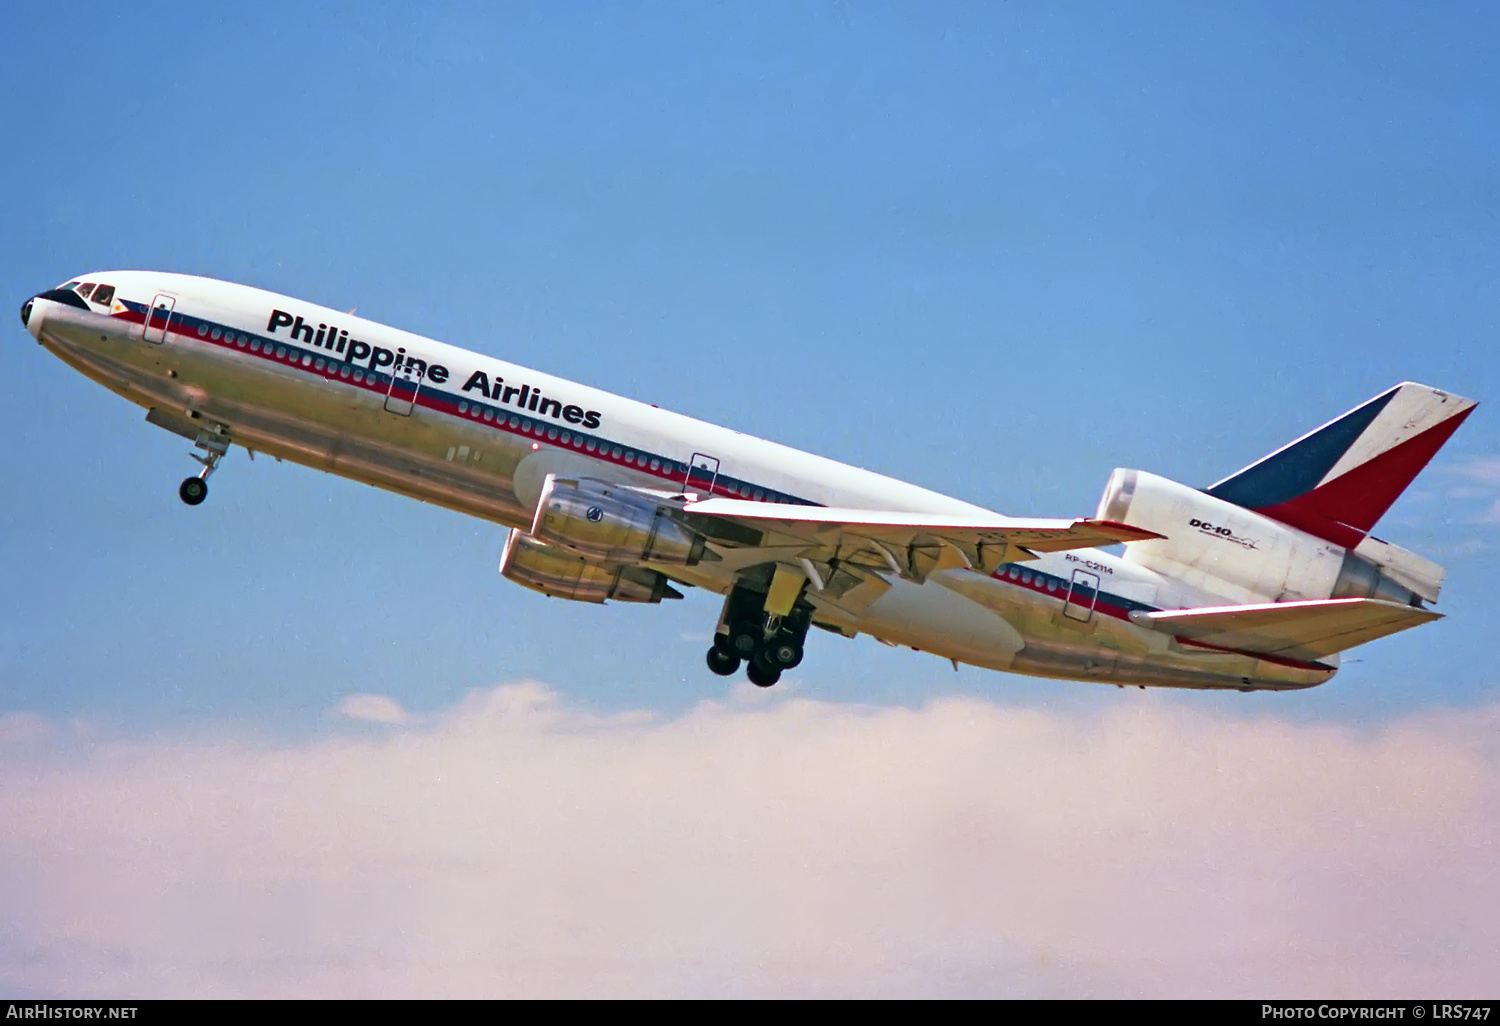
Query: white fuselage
[[480, 435]]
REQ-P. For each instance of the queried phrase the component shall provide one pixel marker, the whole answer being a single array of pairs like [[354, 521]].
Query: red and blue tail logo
[[1337, 481]]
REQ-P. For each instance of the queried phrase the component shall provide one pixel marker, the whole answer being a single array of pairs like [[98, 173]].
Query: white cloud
[[372, 709], [18, 730], [514, 846], [1480, 468], [1481, 475]]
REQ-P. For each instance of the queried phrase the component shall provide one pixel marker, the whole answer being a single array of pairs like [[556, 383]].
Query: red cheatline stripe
[[437, 401], [1263, 656]]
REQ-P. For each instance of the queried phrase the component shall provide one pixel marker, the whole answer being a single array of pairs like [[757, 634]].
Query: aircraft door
[[406, 382], [703, 471], [1082, 596], [158, 317]]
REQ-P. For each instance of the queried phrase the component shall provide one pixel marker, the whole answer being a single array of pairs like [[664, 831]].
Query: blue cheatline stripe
[[1297, 469], [1024, 576], [321, 363]]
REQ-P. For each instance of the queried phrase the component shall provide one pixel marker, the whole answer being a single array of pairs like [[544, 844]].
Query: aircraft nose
[[33, 314]]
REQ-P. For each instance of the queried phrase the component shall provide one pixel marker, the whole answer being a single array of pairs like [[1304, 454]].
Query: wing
[[1304, 630], [912, 545]]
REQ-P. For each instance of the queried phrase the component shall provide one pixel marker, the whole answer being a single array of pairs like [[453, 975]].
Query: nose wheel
[[215, 445], [193, 491]]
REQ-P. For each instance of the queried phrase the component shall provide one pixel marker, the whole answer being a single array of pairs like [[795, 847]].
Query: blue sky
[[997, 250]]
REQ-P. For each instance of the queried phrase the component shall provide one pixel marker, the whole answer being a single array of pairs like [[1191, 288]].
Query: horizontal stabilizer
[[1298, 630], [985, 540]]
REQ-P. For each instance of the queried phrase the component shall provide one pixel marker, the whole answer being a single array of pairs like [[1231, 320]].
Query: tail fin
[[1337, 481]]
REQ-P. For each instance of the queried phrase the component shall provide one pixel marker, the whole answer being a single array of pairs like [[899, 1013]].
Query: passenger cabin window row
[[1025, 576], [667, 467], [330, 367], [1079, 590], [488, 414]]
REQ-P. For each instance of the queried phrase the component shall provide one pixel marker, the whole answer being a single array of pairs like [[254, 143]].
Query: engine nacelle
[[1234, 552], [611, 524], [561, 574]]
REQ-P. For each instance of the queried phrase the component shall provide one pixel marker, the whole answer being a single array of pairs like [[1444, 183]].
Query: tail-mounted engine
[[1239, 554], [611, 524], [561, 574]]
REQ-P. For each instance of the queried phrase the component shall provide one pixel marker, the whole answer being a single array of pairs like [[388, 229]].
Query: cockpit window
[[104, 294], [86, 289], [68, 285]]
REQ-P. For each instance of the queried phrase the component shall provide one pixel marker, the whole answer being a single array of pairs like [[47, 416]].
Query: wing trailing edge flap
[[912, 545], [1304, 630]]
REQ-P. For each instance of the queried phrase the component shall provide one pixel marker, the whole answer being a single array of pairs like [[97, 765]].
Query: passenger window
[[86, 289], [104, 294]]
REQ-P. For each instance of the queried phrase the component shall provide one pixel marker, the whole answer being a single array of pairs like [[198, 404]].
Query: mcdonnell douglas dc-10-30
[[1256, 582]]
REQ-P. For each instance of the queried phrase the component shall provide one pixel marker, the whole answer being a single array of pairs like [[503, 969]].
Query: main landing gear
[[767, 644], [215, 445]]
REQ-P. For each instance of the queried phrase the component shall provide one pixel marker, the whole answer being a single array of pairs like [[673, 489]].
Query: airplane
[[1257, 582]]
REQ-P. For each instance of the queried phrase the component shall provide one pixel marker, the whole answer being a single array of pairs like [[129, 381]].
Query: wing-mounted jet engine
[[561, 574], [588, 537], [613, 524]]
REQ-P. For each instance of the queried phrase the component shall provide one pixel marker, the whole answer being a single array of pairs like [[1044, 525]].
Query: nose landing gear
[[215, 446]]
